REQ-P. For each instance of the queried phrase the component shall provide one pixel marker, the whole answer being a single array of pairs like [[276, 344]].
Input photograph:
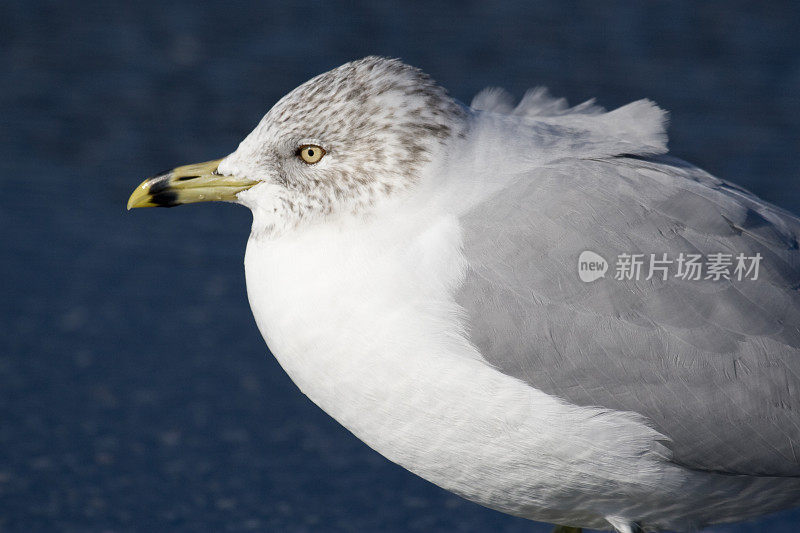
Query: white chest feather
[[364, 323]]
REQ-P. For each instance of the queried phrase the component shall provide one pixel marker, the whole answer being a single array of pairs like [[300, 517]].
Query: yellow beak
[[188, 184]]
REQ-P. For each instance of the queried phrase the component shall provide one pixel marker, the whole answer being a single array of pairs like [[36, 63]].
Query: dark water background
[[135, 392]]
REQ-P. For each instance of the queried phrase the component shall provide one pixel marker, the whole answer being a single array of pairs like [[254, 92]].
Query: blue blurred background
[[135, 392]]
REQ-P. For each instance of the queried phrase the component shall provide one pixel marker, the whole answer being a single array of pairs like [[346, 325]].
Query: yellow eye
[[310, 153]]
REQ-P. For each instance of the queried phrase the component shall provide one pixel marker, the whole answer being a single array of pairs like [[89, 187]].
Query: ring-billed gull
[[530, 306]]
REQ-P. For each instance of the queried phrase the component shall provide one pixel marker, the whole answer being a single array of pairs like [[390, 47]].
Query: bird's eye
[[310, 153]]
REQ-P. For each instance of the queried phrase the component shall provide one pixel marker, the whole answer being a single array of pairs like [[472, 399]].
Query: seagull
[[499, 297]]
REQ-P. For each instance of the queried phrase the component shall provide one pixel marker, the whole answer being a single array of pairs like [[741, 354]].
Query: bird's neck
[[332, 296]]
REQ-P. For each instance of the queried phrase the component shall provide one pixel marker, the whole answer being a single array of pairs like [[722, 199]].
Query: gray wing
[[714, 365]]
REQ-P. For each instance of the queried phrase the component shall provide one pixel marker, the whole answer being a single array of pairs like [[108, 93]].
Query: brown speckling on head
[[379, 120]]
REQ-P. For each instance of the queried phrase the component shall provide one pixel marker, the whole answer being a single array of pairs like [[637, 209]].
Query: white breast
[[364, 322]]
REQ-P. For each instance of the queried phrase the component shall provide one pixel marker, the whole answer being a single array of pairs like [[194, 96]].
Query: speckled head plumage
[[378, 120]]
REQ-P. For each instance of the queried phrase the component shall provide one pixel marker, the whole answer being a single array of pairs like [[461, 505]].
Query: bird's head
[[336, 145]]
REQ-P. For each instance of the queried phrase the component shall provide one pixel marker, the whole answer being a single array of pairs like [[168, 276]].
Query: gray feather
[[714, 365]]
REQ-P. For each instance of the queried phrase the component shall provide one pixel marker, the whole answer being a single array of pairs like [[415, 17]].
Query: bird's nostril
[[184, 178]]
